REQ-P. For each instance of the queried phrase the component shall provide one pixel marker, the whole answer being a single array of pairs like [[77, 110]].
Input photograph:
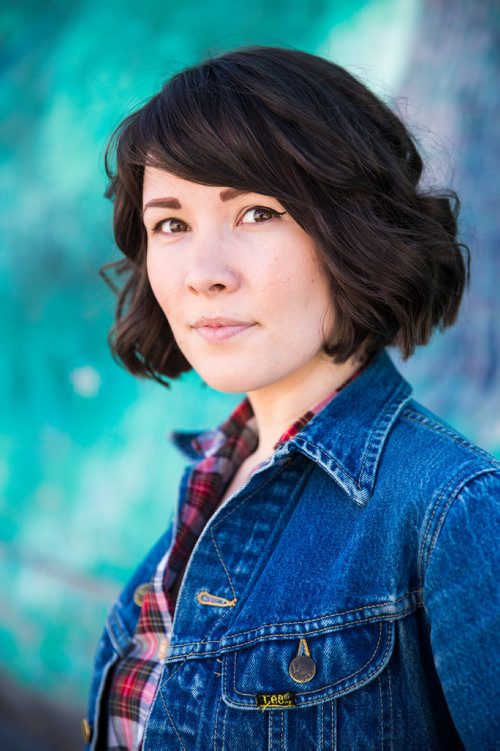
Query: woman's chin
[[229, 384], [230, 381]]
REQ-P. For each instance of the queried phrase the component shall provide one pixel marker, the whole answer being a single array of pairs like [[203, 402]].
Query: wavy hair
[[292, 125]]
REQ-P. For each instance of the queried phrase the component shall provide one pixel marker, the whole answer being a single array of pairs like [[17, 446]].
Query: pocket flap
[[338, 661]]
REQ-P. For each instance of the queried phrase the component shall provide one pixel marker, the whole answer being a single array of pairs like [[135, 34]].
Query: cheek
[[311, 307], [297, 291], [160, 282]]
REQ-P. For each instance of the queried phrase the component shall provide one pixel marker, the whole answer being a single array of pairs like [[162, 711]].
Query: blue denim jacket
[[360, 566]]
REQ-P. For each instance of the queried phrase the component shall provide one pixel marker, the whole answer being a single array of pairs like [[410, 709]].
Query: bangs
[[205, 128]]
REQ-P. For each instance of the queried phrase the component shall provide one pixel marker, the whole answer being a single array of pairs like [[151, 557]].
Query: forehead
[[160, 184], [158, 181]]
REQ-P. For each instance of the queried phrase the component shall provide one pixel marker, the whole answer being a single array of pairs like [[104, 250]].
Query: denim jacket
[[359, 567]]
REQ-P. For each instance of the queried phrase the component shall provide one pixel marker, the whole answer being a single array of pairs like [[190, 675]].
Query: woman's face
[[218, 253]]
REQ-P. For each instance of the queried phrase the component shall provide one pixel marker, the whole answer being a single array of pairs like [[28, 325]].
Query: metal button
[[302, 668], [86, 730], [140, 593]]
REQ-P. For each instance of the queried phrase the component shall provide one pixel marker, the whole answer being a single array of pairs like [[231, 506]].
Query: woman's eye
[[261, 214], [258, 214], [168, 226]]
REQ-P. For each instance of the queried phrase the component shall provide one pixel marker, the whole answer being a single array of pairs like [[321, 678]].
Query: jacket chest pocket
[[284, 691]]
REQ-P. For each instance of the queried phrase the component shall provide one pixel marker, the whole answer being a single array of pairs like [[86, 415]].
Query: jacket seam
[[222, 562], [417, 592], [435, 427], [455, 480], [442, 517], [172, 723], [281, 637], [379, 432], [305, 446]]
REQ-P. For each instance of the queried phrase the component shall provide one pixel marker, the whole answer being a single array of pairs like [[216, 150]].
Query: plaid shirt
[[136, 677]]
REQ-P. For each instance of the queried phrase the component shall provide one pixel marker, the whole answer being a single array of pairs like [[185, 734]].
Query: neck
[[277, 406]]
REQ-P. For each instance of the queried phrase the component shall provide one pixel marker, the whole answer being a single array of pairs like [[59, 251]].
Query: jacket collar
[[346, 438]]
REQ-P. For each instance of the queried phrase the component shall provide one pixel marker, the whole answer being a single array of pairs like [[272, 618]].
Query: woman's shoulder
[[431, 466], [433, 439]]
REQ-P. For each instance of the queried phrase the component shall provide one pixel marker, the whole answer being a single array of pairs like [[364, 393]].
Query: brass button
[[86, 731], [302, 668], [140, 593]]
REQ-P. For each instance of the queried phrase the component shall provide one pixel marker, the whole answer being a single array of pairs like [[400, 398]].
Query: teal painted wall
[[87, 476]]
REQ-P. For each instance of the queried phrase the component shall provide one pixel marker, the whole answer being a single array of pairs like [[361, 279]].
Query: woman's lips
[[221, 333]]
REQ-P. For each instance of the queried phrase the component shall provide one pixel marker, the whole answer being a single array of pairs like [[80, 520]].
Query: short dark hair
[[289, 124]]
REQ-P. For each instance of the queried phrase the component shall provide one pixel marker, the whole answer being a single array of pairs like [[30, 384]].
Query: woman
[[328, 580]]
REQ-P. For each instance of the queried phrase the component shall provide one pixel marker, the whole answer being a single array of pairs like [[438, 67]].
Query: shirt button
[[86, 731], [140, 593], [162, 649], [302, 669]]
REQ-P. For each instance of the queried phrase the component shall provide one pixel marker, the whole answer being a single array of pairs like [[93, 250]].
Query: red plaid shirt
[[136, 677]]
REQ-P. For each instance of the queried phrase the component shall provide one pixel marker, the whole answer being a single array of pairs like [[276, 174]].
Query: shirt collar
[[346, 437]]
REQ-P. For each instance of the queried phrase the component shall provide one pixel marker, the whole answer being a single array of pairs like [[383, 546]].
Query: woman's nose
[[210, 272]]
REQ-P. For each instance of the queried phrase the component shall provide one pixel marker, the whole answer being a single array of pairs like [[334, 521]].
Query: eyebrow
[[173, 203]]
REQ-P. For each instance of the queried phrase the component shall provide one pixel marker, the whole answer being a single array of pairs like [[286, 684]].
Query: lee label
[[275, 701]]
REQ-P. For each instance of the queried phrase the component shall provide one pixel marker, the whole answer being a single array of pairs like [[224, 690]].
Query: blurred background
[[88, 477]]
